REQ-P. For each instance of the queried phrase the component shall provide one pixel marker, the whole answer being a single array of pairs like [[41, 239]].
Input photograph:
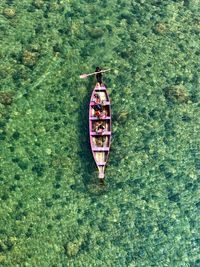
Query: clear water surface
[[52, 210]]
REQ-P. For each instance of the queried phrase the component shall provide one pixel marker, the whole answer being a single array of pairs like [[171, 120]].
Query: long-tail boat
[[100, 127]]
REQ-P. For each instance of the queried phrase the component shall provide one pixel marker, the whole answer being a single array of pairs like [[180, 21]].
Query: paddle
[[83, 76]]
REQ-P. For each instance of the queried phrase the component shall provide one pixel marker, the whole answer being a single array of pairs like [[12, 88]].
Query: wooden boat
[[100, 127]]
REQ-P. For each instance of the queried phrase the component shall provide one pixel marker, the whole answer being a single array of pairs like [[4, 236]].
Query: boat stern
[[101, 172], [101, 175]]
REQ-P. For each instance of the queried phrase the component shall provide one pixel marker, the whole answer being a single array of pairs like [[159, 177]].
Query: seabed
[[53, 213]]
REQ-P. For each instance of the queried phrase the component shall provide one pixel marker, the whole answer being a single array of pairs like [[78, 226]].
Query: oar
[[83, 76]]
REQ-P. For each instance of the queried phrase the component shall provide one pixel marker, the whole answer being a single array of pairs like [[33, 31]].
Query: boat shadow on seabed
[[87, 164]]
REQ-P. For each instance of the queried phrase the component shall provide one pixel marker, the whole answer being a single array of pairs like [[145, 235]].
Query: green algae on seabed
[[53, 211]]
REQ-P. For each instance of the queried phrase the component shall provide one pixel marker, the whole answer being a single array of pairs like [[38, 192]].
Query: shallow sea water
[[53, 212]]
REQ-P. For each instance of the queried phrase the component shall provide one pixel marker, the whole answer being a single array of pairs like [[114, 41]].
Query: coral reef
[[95, 32], [160, 28], [6, 98], [177, 93], [9, 12], [29, 58], [72, 248], [38, 3]]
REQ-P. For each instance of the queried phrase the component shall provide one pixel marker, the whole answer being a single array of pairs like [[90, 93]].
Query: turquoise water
[[53, 210]]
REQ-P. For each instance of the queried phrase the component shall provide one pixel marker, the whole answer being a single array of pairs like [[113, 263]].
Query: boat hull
[[100, 128]]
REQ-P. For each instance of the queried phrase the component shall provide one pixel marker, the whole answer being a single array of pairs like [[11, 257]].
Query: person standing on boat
[[98, 75]]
